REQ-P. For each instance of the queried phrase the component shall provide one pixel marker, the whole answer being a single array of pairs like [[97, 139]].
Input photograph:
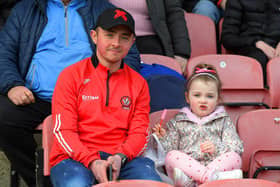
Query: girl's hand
[[159, 131], [207, 147], [267, 49]]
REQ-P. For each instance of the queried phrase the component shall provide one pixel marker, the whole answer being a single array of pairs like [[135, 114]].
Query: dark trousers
[[149, 45], [17, 124], [258, 55]]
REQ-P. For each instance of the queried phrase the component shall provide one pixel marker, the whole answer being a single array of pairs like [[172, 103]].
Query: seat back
[[202, 33], [242, 82], [162, 60], [240, 183], [273, 77], [236, 72], [259, 130], [47, 143]]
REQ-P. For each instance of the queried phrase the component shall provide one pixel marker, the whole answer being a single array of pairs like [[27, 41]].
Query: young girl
[[201, 140]]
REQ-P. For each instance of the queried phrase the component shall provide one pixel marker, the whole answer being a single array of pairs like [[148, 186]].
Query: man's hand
[[267, 49], [159, 131], [116, 162], [182, 61], [99, 170], [20, 95], [207, 147], [223, 4]]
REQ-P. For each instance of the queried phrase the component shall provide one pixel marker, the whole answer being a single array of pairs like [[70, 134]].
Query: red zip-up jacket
[[95, 110]]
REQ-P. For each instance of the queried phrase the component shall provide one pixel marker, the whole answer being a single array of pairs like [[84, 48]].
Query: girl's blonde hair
[[205, 72]]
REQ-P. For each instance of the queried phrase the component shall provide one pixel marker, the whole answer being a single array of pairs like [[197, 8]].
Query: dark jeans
[[69, 172], [17, 124]]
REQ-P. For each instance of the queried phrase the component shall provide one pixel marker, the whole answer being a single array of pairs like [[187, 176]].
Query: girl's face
[[202, 97]]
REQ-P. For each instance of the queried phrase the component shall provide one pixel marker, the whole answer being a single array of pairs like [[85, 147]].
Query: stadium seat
[[273, 77], [202, 33], [162, 60], [240, 183], [242, 81], [42, 154], [259, 131], [133, 183]]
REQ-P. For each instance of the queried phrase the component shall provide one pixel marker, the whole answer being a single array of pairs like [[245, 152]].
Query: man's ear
[[93, 35], [134, 39]]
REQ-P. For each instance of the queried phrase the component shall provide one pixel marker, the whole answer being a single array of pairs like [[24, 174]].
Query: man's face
[[112, 45]]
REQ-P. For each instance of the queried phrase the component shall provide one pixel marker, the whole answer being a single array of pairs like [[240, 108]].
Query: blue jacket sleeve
[[9, 45]]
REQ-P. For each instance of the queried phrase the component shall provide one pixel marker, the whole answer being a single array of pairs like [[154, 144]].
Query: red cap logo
[[120, 13]]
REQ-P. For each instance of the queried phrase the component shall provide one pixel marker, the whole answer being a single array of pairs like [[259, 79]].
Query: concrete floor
[[5, 167], [5, 172]]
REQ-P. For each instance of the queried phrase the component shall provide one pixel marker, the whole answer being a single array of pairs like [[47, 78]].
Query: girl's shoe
[[233, 174], [180, 179]]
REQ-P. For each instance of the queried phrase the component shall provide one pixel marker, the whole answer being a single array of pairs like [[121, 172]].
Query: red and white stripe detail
[[57, 133]]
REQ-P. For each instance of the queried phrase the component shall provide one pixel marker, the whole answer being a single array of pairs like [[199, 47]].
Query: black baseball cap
[[112, 17]]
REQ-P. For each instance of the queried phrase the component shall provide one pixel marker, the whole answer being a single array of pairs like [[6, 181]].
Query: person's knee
[[6, 110], [144, 168], [3, 110], [207, 8], [169, 159], [172, 153], [75, 181], [70, 173]]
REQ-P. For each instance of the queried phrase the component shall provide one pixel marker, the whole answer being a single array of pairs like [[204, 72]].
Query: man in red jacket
[[101, 112]]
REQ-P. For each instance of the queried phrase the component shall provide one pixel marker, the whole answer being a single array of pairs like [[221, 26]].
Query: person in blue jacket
[[40, 39], [214, 9]]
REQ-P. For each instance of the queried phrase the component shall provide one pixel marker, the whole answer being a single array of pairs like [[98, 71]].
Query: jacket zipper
[[66, 25], [108, 89]]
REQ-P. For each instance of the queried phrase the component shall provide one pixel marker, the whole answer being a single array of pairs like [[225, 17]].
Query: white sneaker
[[180, 179], [233, 174]]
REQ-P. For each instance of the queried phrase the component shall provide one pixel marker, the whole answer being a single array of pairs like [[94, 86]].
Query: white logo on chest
[[89, 97]]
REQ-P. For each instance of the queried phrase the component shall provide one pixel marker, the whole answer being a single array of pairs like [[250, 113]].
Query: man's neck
[[112, 66], [65, 2]]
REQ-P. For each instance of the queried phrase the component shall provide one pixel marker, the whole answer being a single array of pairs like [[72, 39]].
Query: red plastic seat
[[242, 81], [273, 77], [155, 116], [202, 33], [240, 183], [162, 60], [47, 141], [134, 183], [259, 130]]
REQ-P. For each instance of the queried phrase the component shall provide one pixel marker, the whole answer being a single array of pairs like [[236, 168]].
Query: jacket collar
[[218, 113], [43, 3], [95, 62]]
